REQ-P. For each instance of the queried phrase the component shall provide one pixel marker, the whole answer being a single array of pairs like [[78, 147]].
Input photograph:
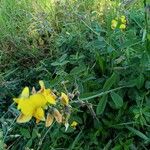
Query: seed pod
[[57, 115], [49, 120]]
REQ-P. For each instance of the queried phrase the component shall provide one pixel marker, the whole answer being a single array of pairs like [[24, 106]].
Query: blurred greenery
[[72, 40]]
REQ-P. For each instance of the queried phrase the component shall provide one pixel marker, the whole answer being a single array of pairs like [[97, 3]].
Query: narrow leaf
[[138, 133], [109, 82], [140, 81], [101, 105]]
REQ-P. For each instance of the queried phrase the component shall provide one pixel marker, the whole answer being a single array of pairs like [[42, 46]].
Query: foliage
[[71, 42]]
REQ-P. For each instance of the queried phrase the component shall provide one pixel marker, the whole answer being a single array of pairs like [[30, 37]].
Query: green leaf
[[117, 99], [101, 105], [138, 133], [100, 62], [25, 132], [103, 101], [77, 138], [147, 85], [140, 81], [59, 63], [29, 143], [109, 82], [117, 147], [78, 70]]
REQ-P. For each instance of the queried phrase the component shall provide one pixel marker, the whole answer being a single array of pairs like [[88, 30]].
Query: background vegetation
[[72, 40]]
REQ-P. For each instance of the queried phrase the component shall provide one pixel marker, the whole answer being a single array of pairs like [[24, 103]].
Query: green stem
[[103, 93], [146, 27]]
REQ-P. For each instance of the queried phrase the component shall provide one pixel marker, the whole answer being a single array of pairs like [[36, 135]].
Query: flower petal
[[49, 96], [42, 85], [74, 124], [38, 100], [26, 107], [64, 99], [23, 118], [39, 114], [16, 100], [25, 93], [114, 24], [122, 26], [51, 99]]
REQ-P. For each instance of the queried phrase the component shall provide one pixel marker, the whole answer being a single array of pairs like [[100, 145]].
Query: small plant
[[44, 103]]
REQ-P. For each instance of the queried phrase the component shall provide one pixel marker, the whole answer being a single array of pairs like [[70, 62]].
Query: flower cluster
[[120, 23], [43, 103]]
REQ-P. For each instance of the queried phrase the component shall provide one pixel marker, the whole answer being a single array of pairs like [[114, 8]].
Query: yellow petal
[[124, 21], [49, 96], [122, 26], [38, 100], [23, 118], [114, 24], [26, 107], [74, 124], [25, 93], [64, 99], [123, 17], [42, 85], [20, 103], [57, 115], [51, 99], [49, 120], [39, 114], [16, 100]]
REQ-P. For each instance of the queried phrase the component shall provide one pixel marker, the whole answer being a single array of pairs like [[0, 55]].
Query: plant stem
[[146, 28]]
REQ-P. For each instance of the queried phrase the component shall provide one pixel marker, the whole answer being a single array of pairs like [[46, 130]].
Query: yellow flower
[[114, 24], [74, 124], [122, 26], [64, 99], [47, 93], [30, 106], [123, 19]]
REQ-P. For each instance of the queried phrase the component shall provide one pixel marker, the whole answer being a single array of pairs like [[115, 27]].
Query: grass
[[72, 41]]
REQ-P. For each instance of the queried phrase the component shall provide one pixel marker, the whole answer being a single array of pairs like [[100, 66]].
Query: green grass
[[72, 41]]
